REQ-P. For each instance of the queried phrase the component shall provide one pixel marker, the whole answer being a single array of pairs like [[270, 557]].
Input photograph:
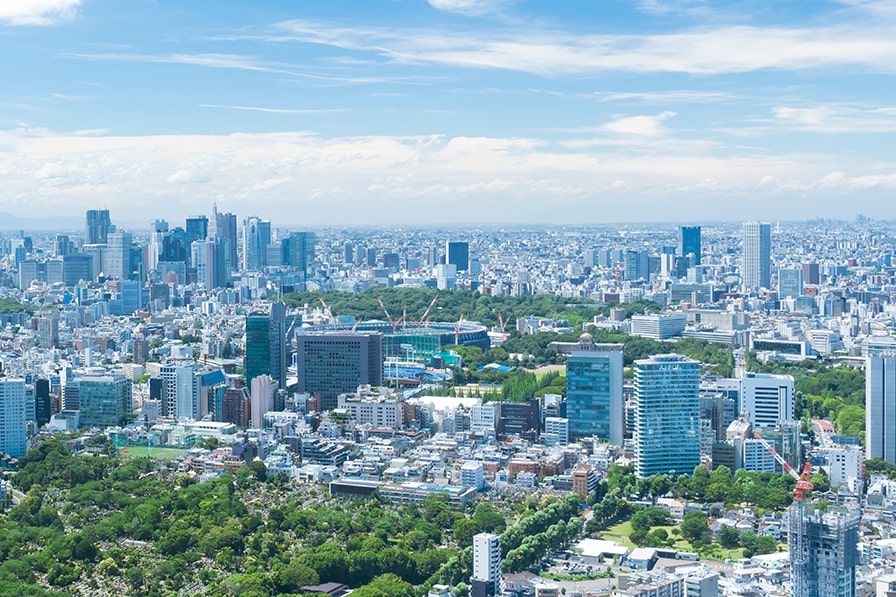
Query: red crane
[[432, 303], [803, 486], [331, 312], [386, 311]]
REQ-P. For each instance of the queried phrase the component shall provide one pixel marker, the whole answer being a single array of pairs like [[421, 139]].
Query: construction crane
[[386, 311], [500, 323], [331, 312], [432, 303], [803, 485], [457, 330]]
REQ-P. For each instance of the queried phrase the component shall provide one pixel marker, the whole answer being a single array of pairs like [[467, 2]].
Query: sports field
[[160, 453]]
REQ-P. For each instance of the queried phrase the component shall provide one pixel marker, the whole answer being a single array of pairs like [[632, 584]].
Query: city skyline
[[487, 111]]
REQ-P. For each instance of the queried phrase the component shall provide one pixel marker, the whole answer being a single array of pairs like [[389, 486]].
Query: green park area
[[158, 453]]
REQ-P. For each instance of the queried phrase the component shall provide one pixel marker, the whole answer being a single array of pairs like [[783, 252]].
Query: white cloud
[[276, 110], [304, 178], [650, 126], [837, 118], [37, 12], [468, 7], [703, 51]]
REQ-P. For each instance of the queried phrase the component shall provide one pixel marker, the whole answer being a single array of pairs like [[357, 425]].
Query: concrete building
[[667, 415], [594, 404], [177, 391], [880, 406], [336, 363], [768, 398], [472, 474], [659, 327], [13, 433], [261, 392], [556, 430], [486, 579], [757, 262], [484, 419], [381, 410]]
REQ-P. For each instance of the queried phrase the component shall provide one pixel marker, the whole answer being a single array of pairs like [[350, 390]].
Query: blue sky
[[449, 111]]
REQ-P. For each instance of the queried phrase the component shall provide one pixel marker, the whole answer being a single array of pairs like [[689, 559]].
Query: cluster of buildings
[[175, 334]]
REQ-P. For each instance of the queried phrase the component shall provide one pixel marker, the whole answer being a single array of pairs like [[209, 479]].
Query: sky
[[403, 112]]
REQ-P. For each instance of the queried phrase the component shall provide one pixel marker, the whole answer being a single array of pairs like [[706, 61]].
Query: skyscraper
[[880, 407], [486, 579], [205, 261], [222, 228], [97, 227], [177, 395], [594, 393], [196, 228], [13, 440], [334, 363], [667, 415], [458, 253], [826, 564], [689, 243], [117, 256], [301, 250], [757, 257], [266, 348], [256, 238]]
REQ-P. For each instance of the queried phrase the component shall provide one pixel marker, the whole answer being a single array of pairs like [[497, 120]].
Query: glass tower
[[594, 393]]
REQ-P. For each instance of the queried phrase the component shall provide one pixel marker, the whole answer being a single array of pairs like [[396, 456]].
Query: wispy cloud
[[836, 118], [469, 7], [276, 110], [37, 12], [649, 126], [661, 97], [712, 51]]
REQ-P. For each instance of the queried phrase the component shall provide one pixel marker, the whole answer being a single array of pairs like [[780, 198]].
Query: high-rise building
[[117, 256], [811, 274], [43, 408], [689, 243], [594, 393], [196, 228], [235, 407], [880, 406], [261, 393], [48, 331], [826, 564], [790, 282], [13, 432], [205, 261], [177, 395], [636, 265], [756, 271], [667, 415], [76, 268], [63, 245], [334, 363], [301, 251], [222, 228], [266, 349], [458, 253], [97, 228], [105, 400], [486, 579], [256, 238], [768, 398]]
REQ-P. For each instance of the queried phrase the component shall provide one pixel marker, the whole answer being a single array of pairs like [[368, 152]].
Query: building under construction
[[826, 564]]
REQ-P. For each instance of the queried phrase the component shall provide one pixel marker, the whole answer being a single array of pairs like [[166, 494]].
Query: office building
[[205, 260], [594, 404], [177, 392], [636, 265], [336, 363], [222, 228], [261, 393], [98, 226], [196, 228], [522, 419], [105, 400], [667, 415], [767, 398], [117, 256], [486, 579], [811, 273], [43, 407], [13, 432], [76, 268], [236, 407], [301, 251], [689, 243], [256, 238], [790, 282], [826, 565], [880, 406], [382, 411], [484, 419], [266, 348], [757, 257], [48, 331], [659, 327], [556, 431], [457, 253]]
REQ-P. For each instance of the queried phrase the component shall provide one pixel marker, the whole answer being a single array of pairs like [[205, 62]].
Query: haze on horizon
[[407, 112]]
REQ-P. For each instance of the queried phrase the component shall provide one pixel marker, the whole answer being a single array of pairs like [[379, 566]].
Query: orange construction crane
[[803, 486]]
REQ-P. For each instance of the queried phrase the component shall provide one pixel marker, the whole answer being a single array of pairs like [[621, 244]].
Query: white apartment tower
[[486, 578]]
